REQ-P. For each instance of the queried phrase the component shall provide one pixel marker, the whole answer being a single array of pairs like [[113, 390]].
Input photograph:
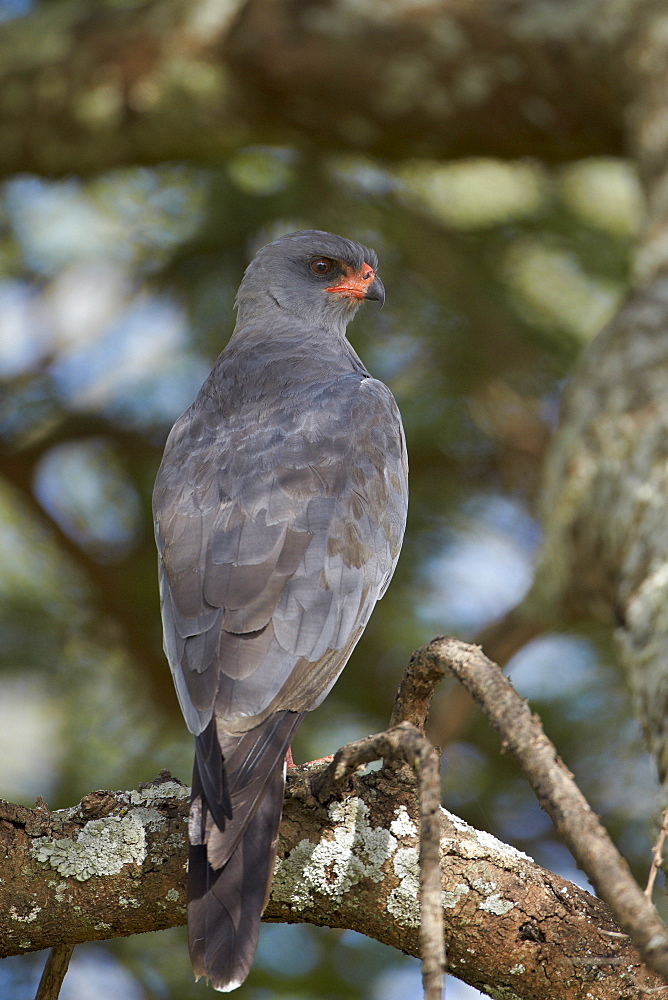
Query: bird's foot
[[290, 764]]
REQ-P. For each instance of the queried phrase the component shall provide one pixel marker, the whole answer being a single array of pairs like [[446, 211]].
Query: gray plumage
[[279, 507]]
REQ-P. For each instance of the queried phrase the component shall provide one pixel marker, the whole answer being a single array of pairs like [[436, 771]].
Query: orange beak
[[362, 285]]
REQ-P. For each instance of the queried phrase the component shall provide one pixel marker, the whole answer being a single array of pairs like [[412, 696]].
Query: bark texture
[[605, 554], [606, 549], [115, 865], [89, 86]]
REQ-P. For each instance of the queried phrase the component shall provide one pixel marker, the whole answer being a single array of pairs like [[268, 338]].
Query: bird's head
[[317, 276]]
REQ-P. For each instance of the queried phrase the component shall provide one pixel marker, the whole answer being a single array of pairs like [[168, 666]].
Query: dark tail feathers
[[230, 869]]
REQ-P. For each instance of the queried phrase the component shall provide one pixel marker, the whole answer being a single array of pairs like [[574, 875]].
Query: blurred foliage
[[115, 297]]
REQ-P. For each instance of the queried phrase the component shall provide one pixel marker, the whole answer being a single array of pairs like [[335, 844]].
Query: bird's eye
[[321, 265]]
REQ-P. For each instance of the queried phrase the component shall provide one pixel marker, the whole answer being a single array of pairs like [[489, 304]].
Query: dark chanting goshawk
[[279, 509]]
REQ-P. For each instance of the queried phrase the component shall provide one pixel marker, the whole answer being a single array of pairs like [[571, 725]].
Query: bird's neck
[[286, 314], [255, 363], [282, 334]]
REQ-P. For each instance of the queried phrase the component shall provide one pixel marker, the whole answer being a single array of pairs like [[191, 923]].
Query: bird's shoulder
[[307, 435]]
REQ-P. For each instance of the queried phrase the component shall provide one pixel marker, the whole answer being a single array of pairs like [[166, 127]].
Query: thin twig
[[54, 972], [432, 940], [406, 742], [558, 794], [657, 852]]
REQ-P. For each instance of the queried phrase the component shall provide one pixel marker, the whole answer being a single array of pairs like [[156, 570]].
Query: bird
[[279, 511]]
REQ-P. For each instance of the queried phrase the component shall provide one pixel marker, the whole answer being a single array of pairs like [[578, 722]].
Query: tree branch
[[115, 865], [92, 86], [576, 824]]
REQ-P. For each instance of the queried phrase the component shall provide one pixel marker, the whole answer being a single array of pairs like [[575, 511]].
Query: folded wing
[[276, 536]]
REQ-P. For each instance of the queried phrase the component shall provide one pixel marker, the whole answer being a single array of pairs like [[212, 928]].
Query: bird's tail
[[230, 869]]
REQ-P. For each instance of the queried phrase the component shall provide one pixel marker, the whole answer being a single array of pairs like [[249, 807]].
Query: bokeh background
[[116, 295]]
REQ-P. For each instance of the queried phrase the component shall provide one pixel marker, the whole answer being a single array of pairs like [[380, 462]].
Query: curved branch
[[405, 742], [555, 788]]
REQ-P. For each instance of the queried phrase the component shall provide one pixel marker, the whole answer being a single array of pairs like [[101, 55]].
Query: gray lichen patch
[[163, 790], [450, 899], [402, 825], [403, 902], [480, 844], [353, 850], [25, 918], [150, 819], [495, 904], [335, 864], [101, 848]]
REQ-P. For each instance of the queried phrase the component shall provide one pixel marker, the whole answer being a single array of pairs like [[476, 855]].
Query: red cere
[[355, 285]]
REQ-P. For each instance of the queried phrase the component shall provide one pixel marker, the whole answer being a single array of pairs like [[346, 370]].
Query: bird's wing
[[278, 527]]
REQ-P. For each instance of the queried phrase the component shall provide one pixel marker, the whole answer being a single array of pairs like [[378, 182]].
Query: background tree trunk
[[605, 554]]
